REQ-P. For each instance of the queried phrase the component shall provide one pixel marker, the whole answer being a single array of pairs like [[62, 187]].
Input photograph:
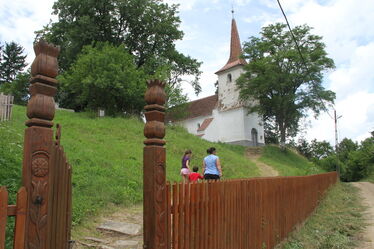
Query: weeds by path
[[335, 225]]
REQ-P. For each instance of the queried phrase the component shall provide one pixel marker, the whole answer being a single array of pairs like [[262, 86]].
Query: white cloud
[[20, 18], [183, 5], [356, 76], [346, 27], [356, 122], [343, 24]]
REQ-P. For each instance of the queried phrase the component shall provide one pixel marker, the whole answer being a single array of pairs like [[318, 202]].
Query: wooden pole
[[154, 179], [37, 144]]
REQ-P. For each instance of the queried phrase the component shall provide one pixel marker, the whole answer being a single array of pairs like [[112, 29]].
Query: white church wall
[[228, 94], [213, 131], [251, 121], [231, 125]]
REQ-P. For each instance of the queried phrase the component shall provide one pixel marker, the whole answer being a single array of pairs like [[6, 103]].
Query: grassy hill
[[288, 163], [107, 153], [107, 157]]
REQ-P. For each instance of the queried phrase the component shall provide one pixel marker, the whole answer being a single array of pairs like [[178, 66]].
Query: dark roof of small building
[[193, 109], [205, 124]]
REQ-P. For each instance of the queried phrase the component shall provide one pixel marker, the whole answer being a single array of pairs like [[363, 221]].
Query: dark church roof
[[235, 49], [193, 109]]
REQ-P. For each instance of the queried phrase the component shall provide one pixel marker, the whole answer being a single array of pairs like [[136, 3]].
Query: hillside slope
[[107, 157], [288, 163]]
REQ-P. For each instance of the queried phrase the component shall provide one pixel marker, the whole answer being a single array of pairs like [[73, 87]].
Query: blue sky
[[346, 27]]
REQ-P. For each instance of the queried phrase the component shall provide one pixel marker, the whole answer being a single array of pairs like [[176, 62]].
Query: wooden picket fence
[[59, 198], [251, 213], [19, 211], [6, 104]]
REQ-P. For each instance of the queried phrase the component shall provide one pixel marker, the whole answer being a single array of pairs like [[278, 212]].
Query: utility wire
[[301, 55]]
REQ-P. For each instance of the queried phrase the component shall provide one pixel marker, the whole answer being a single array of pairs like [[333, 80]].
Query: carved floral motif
[[39, 167]]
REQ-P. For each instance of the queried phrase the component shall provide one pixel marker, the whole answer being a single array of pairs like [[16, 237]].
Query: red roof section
[[205, 124], [197, 108], [235, 49]]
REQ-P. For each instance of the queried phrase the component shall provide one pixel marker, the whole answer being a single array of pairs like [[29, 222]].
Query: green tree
[[19, 88], [320, 149], [147, 28], [345, 147], [285, 85], [12, 62], [104, 76], [303, 147]]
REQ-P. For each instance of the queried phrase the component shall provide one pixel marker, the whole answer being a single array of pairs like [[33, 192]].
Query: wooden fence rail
[[6, 104], [251, 213], [19, 211]]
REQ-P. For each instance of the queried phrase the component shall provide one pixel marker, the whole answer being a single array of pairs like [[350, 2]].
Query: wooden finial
[[44, 69], [155, 97], [154, 161]]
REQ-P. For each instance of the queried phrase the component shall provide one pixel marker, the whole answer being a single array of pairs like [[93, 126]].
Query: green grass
[[107, 157], [335, 223], [107, 153], [287, 162], [370, 178]]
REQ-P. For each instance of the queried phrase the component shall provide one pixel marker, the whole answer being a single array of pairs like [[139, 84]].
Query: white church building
[[223, 117]]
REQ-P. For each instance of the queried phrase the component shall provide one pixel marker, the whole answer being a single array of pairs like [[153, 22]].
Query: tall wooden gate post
[[154, 175], [37, 144]]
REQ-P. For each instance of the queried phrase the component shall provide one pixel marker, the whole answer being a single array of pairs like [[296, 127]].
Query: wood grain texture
[[155, 197], [3, 215], [20, 224], [242, 213]]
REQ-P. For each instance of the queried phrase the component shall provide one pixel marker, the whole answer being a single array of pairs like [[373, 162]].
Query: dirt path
[[90, 235], [367, 193], [265, 170]]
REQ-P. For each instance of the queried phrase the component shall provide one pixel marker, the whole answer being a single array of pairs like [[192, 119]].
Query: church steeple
[[235, 49]]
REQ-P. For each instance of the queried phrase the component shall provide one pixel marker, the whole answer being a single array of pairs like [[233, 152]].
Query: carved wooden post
[[37, 143], [155, 219]]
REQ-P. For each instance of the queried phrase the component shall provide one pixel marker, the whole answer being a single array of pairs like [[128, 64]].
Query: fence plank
[[181, 215], [20, 224], [3, 215], [168, 212], [175, 216], [6, 104]]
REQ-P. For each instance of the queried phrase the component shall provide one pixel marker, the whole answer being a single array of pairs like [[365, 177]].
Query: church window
[[229, 77]]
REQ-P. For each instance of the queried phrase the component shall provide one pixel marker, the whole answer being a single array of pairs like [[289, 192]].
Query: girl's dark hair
[[195, 169], [187, 152], [211, 150]]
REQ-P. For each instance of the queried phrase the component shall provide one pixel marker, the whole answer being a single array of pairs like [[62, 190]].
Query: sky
[[345, 25]]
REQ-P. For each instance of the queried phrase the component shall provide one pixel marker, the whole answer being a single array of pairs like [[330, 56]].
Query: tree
[[284, 85], [320, 149], [104, 76], [345, 147], [303, 147], [19, 88], [147, 28], [12, 62]]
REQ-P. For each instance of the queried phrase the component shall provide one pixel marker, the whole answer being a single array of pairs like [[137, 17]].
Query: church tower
[[223, 117], [237, 126], [228, 95]]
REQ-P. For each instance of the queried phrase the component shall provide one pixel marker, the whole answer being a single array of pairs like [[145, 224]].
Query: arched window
[[229, 78]]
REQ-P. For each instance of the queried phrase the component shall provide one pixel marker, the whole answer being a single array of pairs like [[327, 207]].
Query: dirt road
[[367, 194]]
